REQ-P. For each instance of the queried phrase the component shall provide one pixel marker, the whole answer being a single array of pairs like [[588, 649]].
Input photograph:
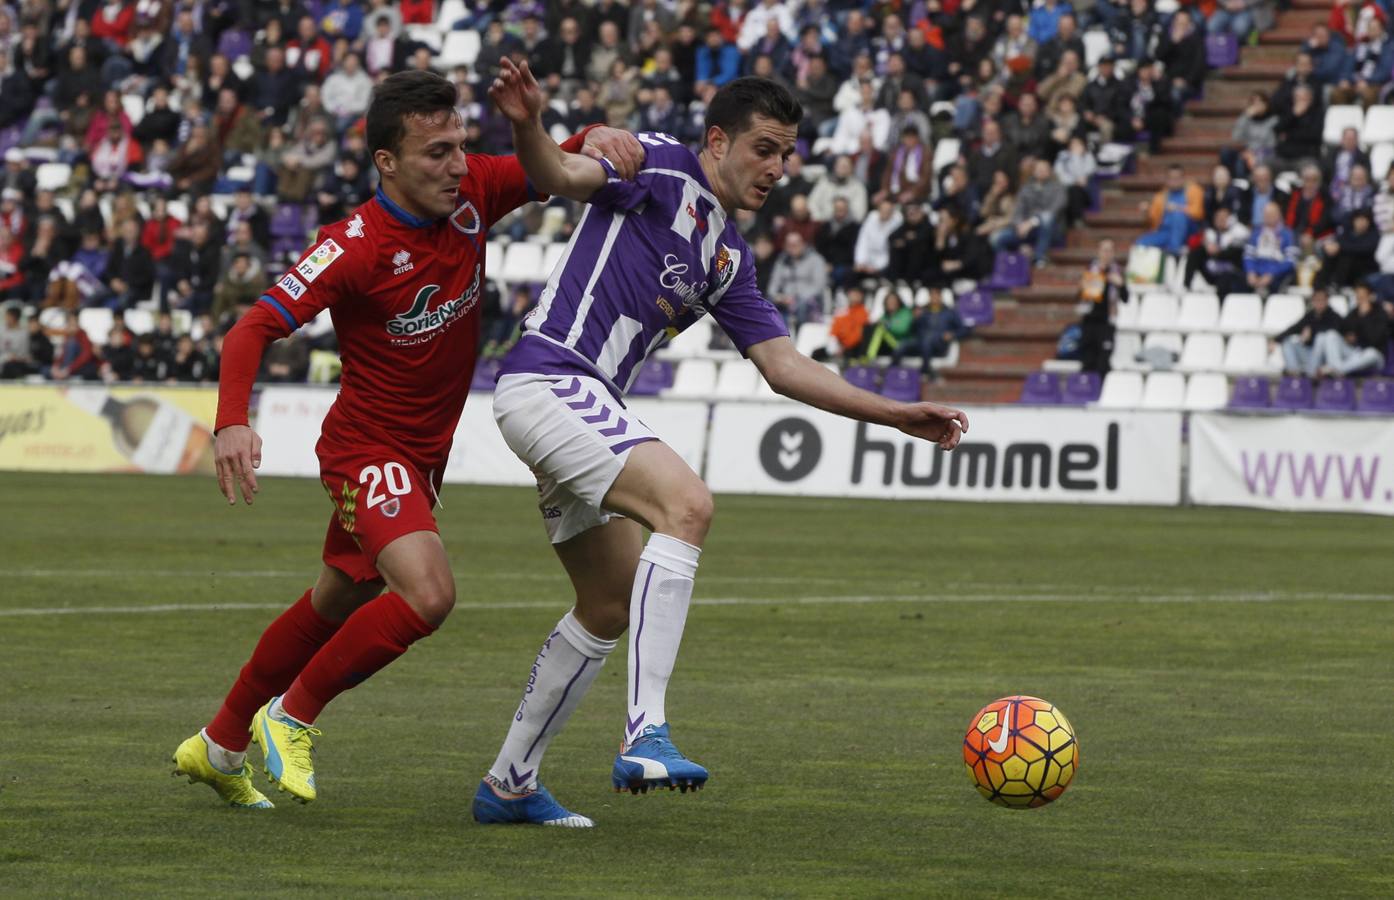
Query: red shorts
[[378, 497]]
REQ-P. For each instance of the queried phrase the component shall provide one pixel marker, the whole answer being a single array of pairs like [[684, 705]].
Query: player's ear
[[385, 161], [718, 142]]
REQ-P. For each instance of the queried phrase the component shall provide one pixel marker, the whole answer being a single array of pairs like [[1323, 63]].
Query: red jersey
[[404, 295]]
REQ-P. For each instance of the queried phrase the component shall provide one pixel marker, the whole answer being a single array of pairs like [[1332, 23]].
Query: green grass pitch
[[1228, 673]]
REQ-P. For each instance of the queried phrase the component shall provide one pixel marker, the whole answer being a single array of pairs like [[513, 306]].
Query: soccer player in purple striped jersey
[[648, 258]]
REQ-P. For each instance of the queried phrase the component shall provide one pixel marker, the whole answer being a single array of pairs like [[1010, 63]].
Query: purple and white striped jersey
[[648, 258]]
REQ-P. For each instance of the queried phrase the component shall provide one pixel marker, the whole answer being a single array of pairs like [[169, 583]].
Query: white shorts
[[575, 437]]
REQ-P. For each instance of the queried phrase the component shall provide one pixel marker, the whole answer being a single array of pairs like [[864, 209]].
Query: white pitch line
[[835, 600]]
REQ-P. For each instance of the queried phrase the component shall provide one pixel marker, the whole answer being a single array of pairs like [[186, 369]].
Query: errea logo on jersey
[[402, 260], [420, 324], [321, 258]]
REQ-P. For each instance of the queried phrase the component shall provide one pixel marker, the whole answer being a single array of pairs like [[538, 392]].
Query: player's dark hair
[[402, 94], [738, 102]]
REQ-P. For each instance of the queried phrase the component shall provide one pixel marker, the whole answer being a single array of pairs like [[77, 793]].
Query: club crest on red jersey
[[391, 508], [466, 219]]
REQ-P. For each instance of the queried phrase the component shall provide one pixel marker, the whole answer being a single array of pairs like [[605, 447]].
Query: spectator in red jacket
[[113, 22], [309, 54], [159, 231], [1308, 212]]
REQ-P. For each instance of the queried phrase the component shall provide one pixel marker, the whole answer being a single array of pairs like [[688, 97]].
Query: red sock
[[376, 634], [285, 647]]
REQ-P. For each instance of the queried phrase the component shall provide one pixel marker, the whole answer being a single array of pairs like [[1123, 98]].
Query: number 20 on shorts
[[392, 476]]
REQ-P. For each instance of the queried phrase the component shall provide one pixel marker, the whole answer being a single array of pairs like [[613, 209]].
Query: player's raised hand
[[932, 422], [621, 148], [237, 455], [515, 92]]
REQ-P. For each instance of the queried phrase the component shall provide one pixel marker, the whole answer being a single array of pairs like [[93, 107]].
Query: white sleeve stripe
[[587, 298]]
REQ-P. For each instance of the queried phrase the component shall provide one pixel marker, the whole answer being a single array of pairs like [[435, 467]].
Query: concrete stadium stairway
[[1029, 320]]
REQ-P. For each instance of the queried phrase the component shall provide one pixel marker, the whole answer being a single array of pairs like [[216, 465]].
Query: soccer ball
[[1020, 752]]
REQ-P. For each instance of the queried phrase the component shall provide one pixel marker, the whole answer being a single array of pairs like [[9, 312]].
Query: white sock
[[278, 712], [224, 760], [564, 670], [657, 615]]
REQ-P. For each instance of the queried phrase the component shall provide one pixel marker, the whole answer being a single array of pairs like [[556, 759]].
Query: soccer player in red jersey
[[402, 278]]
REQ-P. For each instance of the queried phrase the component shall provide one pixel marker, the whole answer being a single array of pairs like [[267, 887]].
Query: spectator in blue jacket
[[1045, 20], [936, 328], [1332, 62], [1374, 62], [1270, 259], [718, 61]]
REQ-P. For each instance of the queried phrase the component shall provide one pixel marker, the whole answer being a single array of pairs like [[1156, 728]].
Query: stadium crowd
[[198, 143]]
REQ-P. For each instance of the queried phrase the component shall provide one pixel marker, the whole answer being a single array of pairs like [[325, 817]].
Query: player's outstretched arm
[[550, 169], [796, 376]]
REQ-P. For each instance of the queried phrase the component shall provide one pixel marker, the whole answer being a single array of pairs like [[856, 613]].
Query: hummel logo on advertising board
[[790, 449]]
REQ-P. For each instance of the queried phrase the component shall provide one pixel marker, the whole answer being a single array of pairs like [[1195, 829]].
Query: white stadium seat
[[430, 35], [522, 262], [811, 336], [134, 107], [140, 321], [1338, 119], [450, 12], [1126, 346], [1247, 354], [1127, 316], [52, 318], [1280, 312], [1199, 312], [552, 256], [460, 48], [1158, 313], [1121, 390], [1163, 390], [53, 176], [1241, 313], [1166, 340], [737, 380], [1341, 304], [1097, 45], [1208, 390], [1379, 125], [695, 378], [493, 259], [1202, 353], [96, 321], [1381, 155], [694, 341], [945, 154]]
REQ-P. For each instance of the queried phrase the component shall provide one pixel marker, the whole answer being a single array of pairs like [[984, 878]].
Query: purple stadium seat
[[484, 375], [1221, 50], [1082, 387], [975, 307], [1250, 392], [1293, 393], [901, 384], [289, 221], [1041, 389], [1377, 396], [655, 376], [9, 137], [1009, 270], [1389, 359], [235, 43], [1335, 395], [863, 377]]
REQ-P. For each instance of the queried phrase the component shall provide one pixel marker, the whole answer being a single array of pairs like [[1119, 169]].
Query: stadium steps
[[996, 358]]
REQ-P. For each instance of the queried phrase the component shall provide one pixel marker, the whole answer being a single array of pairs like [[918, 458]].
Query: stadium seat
[[1202, 353], [1097, 45], [1158, 312], [695, 378], [522, 263], [975, 307], [1341, 304], [1126, 346], [235, 44], [693, 341], [53, 176], [1379, 125], [1338, 119], [140, 321], [493, 259], [96, 321], [1281, 312], [1041, 389], [1169, 341], [1163, 390], [288, 221], [1377, 396], [1221, 50], [1241, 313], [430, 35], [1206, 391], [811, 336], [1293, 393], [901, 383], [450, 13], [1381, 155], [1127, 316], [863, 377], [1199, 312], [950, 359], [1121, 390], [1009, 270], [1247, 354], [736, 380], [134, 107], [1335, 395], [1082, 387], [460, 48], [1250, 392], [551, 256], [945, 154], [182, 321], [655, 376]]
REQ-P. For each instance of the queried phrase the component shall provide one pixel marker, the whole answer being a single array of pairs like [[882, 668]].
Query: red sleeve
[[503, 184], [84, 352], [242, 350]]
